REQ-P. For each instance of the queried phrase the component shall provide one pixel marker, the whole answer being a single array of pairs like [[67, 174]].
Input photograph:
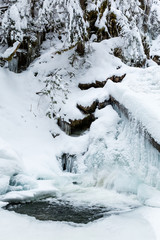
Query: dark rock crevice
[[91, 109], [116, 79], [101, 84], [156, 59], [77, 126], [96, 84], [88, 109], [28, 51]]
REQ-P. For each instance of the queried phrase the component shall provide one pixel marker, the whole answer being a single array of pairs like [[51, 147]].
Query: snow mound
[[10, 165]]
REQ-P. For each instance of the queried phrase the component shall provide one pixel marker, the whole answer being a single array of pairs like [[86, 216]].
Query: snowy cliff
[[80, 121]]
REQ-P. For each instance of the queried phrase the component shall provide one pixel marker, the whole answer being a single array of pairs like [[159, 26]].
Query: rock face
[[117, 79], [28, 51], [96, 84], [156, 59], [76, 126], [91, 109], [88, 109]]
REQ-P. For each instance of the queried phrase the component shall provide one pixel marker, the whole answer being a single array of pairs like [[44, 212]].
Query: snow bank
[[38, 189], [25, 129], [139, 93], [91, 95], [10, 165]]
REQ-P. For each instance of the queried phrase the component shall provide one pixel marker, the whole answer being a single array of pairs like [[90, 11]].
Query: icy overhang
[[141, 99]]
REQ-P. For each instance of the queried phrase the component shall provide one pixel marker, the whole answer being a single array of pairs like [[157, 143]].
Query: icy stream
[[118, 173], [57, 210]]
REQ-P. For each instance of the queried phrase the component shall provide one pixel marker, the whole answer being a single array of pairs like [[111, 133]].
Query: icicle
[[68, 162], [124, 159]]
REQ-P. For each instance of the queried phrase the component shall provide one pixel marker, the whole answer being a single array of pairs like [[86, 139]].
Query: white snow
[[109, 171], [21, 127], [10, 50], [139, 93], [141, 224], [155, 49]]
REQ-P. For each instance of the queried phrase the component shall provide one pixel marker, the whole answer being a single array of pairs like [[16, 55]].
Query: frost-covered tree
[[55, 90], [136, 22], [64, 18], [15, 21]]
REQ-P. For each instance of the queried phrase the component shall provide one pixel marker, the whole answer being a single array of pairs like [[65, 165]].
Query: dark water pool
[[60, 211]]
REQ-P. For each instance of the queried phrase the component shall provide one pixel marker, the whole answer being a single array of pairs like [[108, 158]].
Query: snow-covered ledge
[[133, 105], [140, 101], [127, 113], [10, 52]]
